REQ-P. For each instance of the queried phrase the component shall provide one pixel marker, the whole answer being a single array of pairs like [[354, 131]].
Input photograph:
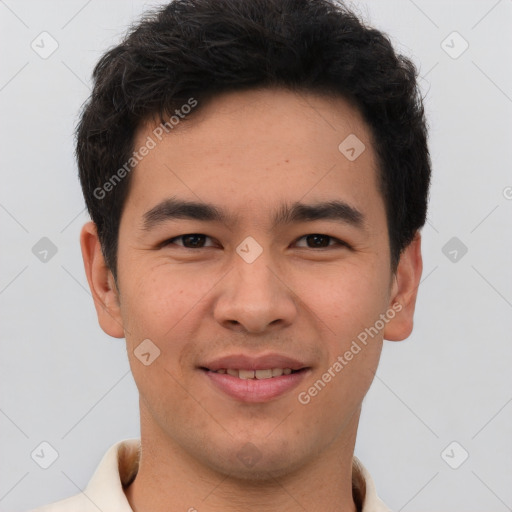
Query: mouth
[[255, 379], [268, 373]]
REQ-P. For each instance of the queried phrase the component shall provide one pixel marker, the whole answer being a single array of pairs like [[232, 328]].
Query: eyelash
[[337, 241]]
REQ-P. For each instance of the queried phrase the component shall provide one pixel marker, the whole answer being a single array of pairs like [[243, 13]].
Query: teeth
[[263, 374], [246, 374], [256, 374]]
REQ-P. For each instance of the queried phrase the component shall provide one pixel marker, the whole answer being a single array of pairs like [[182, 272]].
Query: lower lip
[[255, 390]]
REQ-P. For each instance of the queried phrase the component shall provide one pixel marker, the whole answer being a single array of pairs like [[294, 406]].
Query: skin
[[249, 153]]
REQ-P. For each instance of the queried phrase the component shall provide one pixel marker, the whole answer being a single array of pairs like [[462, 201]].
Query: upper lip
[[246, 362]]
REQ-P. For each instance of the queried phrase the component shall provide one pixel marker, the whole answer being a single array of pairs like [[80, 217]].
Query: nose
[[254, 298]]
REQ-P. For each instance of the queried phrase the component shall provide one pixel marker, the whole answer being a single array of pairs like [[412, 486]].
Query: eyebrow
[[173, 208]]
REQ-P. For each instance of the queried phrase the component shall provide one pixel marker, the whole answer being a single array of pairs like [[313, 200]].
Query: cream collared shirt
[[119, 467]]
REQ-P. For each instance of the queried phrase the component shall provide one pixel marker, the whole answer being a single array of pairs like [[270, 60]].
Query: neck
[[168, 478]]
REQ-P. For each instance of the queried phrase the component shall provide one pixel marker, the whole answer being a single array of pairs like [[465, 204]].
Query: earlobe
[[101, 282], [404, 291]]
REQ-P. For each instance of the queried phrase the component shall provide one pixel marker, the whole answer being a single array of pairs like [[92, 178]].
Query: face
[[255, 299]]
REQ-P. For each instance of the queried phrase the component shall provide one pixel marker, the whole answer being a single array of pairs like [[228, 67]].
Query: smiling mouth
[[255, 385], [268, 373]]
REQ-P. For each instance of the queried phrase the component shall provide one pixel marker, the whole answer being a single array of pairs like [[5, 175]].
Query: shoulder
[[105, 491]]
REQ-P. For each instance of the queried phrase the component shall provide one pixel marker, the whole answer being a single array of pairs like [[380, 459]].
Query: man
[[257, 174]]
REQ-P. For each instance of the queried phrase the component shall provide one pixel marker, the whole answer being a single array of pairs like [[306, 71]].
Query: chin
[[245, 462]]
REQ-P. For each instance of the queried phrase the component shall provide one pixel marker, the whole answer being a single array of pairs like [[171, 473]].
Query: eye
[[319, 241], [199, 241], [189, 241]]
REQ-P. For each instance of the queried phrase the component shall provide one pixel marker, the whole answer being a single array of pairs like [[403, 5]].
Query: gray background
[[68, 384]]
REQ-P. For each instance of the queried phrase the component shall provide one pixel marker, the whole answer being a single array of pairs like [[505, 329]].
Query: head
[[289, 140]]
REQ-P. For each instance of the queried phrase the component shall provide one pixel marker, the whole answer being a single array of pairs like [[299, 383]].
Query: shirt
[[119, 467]]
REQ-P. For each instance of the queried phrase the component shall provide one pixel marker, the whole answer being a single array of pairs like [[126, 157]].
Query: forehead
[[253, 149]]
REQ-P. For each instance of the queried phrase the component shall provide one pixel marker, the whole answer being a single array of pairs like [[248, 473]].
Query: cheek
[[159, 309], [347, 302], [165, 305], [347, 299], [157, 301]]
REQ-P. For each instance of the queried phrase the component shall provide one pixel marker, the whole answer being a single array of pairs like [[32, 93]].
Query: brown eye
[[193, 240], [189, 241], [319, 241]]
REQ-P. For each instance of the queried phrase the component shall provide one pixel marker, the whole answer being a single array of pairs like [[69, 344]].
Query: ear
[[404, 291], [101, 282]]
